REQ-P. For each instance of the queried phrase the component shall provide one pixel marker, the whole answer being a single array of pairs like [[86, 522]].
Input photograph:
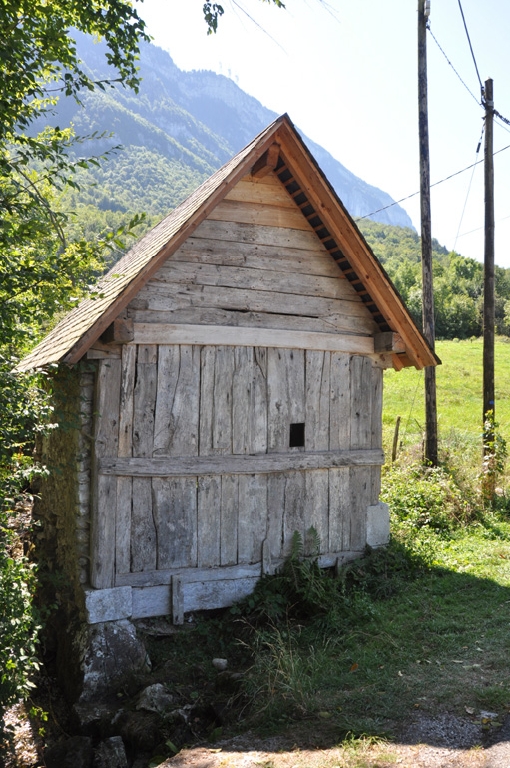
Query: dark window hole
[[297, 435]]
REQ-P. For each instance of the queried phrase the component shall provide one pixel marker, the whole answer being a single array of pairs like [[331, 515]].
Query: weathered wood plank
[[154, 333], [252, 525], [340, 402], [229, 519], [339, 509], [169, 296], [246, 191], [263, 215], [360, 500], [125, 484], [338, 323], [123, 524], [155, 578], [286, 395], [273, 280], [294, 512], [222, 400], [104, 489], [187, 466], [275, 509], [208, 529], [316, 261], [175, 516], [143, 531], [361, 402], [217, 365], [249, 407], [177, 598], [317, 397], [128, 371], [241, 232], [177, 404], [376, 430], [201, 595], [207, 365], [145, 400], [316, 509]]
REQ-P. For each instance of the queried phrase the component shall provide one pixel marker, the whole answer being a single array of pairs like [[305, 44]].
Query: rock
[[229, 681], [111, 654], [75, 752], [220, 664], [154, 698], [110, 754], [139, 730]]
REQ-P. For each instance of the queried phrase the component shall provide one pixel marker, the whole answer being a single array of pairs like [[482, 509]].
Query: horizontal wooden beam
[[218, 575], [118, 332], [194, 466], [159, 333], [267, 162], [388, 341]]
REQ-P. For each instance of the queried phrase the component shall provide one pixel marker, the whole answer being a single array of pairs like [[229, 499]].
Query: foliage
[[213, 11], [425, 497], [18, 628], [301, 590], [494, 458], [42, 271]]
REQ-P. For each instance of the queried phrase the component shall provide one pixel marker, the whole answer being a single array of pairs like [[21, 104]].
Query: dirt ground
[[442, 741]]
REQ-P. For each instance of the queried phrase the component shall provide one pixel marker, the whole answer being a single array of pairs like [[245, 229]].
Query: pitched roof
[[280, 146]]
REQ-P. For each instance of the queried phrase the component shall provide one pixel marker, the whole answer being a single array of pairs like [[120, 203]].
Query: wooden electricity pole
[[426, 235], [488, 290]]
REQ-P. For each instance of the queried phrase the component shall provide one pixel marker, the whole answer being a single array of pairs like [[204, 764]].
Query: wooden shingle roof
[[280, 147]]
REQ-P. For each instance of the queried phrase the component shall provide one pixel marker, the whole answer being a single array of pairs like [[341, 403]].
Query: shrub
[[18, 628], [421, 496]]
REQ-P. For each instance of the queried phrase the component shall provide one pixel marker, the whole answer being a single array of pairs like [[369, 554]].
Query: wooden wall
[[248, 328], [194, 463]]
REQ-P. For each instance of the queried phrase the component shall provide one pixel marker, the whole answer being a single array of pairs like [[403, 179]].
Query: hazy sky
[[346, 73]]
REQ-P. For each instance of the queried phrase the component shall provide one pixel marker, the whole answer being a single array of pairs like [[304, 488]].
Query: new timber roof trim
[[279, 149]]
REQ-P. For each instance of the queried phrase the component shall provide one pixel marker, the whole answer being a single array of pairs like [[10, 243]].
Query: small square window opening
[[297, 435]]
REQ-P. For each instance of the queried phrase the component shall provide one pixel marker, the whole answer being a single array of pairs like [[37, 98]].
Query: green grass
[[459, 397]]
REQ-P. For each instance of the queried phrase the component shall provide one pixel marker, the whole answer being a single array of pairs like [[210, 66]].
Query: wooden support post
[[488, 289], [426, 238]]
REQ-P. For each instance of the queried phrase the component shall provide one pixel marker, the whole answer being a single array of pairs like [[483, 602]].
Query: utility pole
[[488, 290], [426, 235]]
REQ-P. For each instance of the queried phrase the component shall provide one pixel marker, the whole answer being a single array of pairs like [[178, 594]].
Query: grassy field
[[459, 398]]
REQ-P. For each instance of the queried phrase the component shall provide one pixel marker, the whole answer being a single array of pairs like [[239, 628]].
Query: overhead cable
[[451, 65], [435, 184], [471, 48]]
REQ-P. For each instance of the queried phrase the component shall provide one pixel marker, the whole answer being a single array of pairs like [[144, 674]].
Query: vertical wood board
[[104, 491], [177, 401], [175, 518], [208, 526]]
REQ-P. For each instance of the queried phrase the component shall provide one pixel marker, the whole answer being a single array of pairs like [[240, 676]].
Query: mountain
[[176, 131]]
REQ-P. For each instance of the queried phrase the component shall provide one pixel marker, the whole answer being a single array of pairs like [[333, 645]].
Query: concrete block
[[378, 525], [108, 604]]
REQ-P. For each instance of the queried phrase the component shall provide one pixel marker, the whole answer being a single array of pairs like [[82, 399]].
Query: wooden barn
[[226, 379]]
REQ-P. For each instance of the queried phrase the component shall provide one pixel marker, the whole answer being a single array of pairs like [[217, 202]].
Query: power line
[[471, 47], [451, 65], [468, 190], [435, 184]]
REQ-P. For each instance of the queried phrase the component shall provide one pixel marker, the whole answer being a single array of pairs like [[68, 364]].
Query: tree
[[213, 11], [40, 270], [38, 63]]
